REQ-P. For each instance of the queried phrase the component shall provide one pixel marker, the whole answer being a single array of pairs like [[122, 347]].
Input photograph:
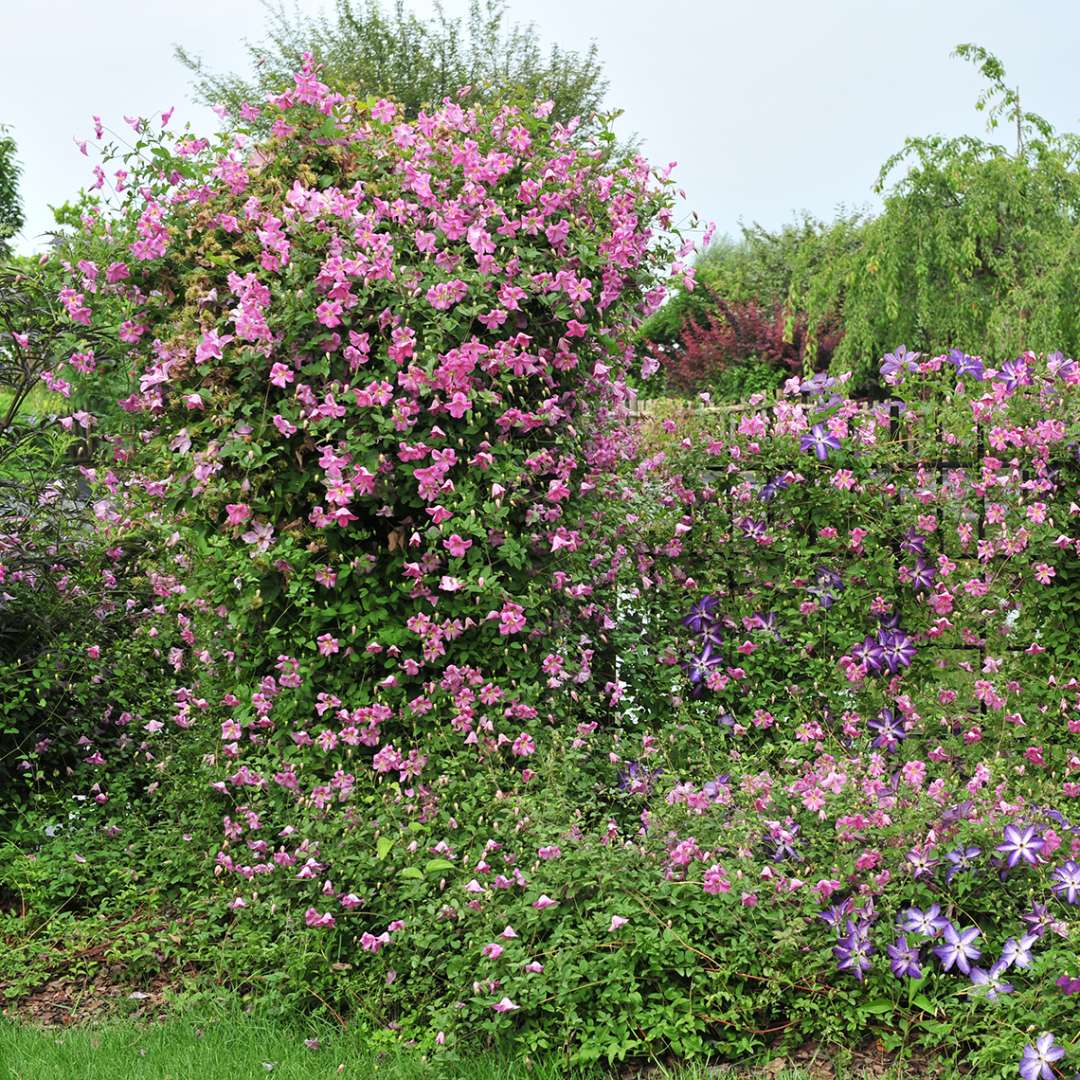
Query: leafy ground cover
[[387, 672]]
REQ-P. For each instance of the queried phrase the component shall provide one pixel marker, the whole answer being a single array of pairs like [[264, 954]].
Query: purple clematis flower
[[1067, 882], [869, 654], [1038, 1060], [889, 729], [904, 959], [782, 843], [963, 858], [853, 951], [1068, 984], [1014, 373], [1038, 918], [772, 488], [701, 614], [897, 651], [1058, 366], [1021, 844], [1016, 952], [914, 543], [752, 529], [820, 442], [929, 923], [712, 634], [767, 621], [700, 666], [817, 384], [990, 983], [835, 914], [922, 864], [958, 948], [894, 364], [922, 577], [966, 365]]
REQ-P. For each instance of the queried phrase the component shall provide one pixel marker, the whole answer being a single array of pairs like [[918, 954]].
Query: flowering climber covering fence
[[518, 718]]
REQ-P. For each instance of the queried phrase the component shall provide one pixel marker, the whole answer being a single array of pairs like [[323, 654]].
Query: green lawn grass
[[234, 1047]]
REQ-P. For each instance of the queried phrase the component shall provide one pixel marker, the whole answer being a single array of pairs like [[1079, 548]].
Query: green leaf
[[383, 846], [877, 1008]]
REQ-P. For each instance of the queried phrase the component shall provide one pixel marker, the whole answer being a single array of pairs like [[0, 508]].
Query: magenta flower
[[504, 1005]]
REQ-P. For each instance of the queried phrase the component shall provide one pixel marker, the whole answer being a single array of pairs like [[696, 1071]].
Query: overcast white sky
[[769, 106]]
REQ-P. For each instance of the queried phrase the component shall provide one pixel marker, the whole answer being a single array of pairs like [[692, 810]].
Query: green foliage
[[762, 266], [976, 247], [11, 215], [365, 49]]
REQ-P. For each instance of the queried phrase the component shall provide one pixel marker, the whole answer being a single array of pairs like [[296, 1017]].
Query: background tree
[[976, 247], [737, 331], [365, 49], [11, 215]]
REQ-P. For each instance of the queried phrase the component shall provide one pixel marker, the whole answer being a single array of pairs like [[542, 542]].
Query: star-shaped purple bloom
[[701, 614], [773, 487], [1038, 918], [700, 666], [751, 528], [958, 948], [1038, 1060], [962, 858], [966, 365], [817, 384], [921, 863], [1014, 373], [889, 729], [990, 982], [897, 651], [835, 914], [894, 364], [914, 543], [820, 442], [904, 959], [853, 951], [869, 654], [1021, 844], [929, 923], [922, 577], [1017, 951], [1067, 882]]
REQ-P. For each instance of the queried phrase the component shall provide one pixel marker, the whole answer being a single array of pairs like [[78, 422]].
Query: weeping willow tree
[[365, 48], [977, 246]]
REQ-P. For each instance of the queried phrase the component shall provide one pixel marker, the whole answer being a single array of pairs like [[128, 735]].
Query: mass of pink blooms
[[474, 667]]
